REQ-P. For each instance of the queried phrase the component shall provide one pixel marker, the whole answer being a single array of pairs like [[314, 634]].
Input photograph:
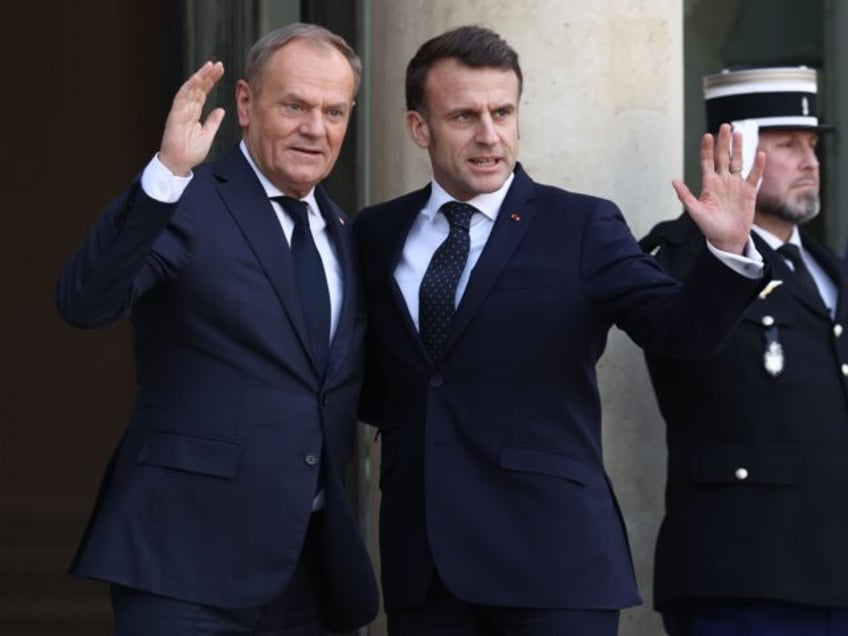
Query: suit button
[[741, 474], [768, 321], [324, 400], [837, 330], [436, 381], [845, 370], [310, 459]]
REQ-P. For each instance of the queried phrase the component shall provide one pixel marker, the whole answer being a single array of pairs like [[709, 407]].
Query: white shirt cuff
[[161, 184], [749, 264]]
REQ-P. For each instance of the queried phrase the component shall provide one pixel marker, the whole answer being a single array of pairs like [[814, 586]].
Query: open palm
[[724, 211], [186, 140]]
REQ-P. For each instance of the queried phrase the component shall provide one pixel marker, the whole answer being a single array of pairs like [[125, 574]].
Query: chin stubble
[[798, 212]]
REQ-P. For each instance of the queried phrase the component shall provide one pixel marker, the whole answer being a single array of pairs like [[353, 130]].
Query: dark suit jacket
[[779, 533], [492, 468], [209, 494]]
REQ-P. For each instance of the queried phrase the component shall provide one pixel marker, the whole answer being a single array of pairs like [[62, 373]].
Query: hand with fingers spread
[[724, 211], [186, 140]]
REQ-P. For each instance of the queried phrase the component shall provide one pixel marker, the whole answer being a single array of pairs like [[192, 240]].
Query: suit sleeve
[[135, 245], [675, 245], [688, 320]]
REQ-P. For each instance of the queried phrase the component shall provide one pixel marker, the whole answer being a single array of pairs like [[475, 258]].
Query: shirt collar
[[774, 242], [489, 203], [273, 191]]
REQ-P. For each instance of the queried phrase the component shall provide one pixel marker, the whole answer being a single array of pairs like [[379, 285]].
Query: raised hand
[[186, 141], [725, 210]]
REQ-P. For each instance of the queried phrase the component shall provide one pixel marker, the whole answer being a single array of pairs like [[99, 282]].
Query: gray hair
[[271, 42]]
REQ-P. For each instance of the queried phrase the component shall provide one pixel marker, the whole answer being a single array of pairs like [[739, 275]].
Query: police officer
[[755, 535]]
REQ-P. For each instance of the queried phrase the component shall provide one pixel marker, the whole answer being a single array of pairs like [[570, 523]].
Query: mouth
[[807, 183], [313, 152], [484, 162]]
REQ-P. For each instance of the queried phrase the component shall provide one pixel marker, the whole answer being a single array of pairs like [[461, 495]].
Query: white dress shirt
[[430, 229]]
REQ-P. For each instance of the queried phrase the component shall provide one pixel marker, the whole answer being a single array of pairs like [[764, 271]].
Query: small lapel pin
[[515, 216], [772, 285], [341, 221]]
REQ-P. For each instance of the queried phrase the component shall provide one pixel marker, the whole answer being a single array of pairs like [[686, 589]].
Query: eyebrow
[[294, 95], [475, 109]]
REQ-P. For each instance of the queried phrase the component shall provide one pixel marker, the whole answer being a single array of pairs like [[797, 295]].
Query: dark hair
[[473, 46], [266, 46]]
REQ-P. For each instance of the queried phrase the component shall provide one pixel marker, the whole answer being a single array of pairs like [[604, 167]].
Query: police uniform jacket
[[757, 459]]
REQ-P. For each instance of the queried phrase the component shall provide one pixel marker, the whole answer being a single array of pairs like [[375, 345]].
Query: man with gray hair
[[754, 536], [223, 509]]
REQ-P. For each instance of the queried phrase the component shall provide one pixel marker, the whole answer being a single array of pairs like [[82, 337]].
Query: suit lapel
[[245, 199], [340, 237], [512, 223], [400, 223], [834, 268]]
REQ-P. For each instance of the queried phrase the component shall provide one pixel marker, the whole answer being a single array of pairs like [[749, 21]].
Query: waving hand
[[724, 211], [186, 141]]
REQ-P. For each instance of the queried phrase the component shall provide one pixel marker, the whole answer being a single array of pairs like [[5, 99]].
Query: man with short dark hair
[[223, 509], [489, 300], [755, 535]]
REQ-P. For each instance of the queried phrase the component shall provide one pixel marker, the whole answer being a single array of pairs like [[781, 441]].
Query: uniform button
[[436, 381], [837, 330], [845, 370], [310, 459], [741, 474], [768, 321]]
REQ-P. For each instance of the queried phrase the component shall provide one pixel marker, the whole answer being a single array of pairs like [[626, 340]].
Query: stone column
[[601, 113]]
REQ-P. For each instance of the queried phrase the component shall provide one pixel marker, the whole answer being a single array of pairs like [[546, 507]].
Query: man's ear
[[243, 98], [418, 129]]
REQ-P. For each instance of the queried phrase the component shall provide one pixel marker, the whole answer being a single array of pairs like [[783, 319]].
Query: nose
[[486, 132], [312, 123], [811, 158]]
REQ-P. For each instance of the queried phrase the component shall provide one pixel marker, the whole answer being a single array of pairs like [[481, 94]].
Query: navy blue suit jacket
[[209, 495], [492, 467]]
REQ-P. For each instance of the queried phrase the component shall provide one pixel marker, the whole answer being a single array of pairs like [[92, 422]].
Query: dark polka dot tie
[[437, 294]]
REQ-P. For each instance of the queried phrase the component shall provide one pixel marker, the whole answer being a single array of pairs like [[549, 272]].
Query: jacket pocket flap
[[544, 462], [765, 319], [192, 454], [747, 462]]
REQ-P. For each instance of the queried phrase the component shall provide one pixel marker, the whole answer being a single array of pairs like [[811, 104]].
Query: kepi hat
[[754, 99]]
